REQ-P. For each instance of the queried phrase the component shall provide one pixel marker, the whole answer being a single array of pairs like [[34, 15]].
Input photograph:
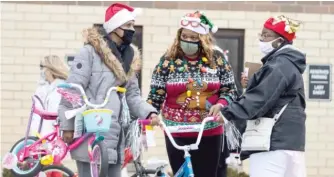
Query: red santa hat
[[284, 26], [118, 14]]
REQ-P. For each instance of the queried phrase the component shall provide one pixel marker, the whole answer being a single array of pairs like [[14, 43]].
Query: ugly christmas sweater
[[184, 89]]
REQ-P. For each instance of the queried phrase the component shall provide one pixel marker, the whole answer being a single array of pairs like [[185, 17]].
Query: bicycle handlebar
[[84, 96], [188, 128]]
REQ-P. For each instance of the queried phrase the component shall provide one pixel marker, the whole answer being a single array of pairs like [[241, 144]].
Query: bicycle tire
[[62, 169], [36, 169], [104, 160]]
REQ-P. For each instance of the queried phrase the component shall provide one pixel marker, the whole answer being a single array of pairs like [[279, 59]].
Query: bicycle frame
[[33, 106], [186, 170], [33, 110], [33, 149], [50, 138]]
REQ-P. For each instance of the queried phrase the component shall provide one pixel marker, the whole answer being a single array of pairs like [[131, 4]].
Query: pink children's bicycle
[[51, 149], [25, 166]]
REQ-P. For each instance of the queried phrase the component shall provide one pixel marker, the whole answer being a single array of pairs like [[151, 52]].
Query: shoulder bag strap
[[278, 115]]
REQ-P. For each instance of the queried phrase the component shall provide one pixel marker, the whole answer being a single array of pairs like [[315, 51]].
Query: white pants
[[280, 163]]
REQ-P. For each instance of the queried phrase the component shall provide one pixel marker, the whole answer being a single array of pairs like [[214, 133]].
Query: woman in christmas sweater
[[191, 82]]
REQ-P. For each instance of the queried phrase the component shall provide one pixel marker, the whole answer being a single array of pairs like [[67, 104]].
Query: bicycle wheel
[[30, 166], [64, 171], [99, 163]]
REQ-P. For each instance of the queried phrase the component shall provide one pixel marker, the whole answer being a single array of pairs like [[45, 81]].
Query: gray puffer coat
[[96, 78]]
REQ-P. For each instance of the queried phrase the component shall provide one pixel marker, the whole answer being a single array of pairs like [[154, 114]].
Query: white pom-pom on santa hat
[[214, 29], [137, 11]]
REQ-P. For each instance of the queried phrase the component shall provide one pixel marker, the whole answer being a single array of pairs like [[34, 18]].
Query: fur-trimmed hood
[[94, 38]]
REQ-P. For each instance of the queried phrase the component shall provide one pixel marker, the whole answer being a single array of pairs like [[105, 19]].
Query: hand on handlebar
[[220, 118], [68, 136], [155, 120], [215, 109]]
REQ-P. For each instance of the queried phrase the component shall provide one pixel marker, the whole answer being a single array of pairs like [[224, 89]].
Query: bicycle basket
[[97, 120]]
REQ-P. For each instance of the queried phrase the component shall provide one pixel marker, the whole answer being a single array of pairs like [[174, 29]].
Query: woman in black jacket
[[277, 83]]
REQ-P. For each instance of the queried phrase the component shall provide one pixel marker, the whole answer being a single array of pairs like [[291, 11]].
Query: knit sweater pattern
[[184, 90]]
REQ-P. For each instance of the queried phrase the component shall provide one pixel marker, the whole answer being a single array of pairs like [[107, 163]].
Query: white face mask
[[42, 79], [266, 47]]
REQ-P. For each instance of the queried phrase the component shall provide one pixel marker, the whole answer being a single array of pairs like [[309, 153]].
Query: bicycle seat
[[46, 115]]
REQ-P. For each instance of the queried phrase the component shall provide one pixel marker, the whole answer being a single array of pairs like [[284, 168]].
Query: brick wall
[[28, 32], [273, 6]]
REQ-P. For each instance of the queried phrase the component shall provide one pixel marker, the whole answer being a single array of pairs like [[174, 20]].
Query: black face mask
[[127, 36]]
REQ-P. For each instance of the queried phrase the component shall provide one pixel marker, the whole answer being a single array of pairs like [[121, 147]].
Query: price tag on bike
[[150, 136], [9, 161]]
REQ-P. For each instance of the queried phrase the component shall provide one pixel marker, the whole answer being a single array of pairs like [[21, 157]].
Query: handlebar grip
[[145, 122], [121, 89], [65, 85]]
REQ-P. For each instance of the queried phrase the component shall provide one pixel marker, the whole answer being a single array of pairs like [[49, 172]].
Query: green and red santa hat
[[198, 23], [118, 14]]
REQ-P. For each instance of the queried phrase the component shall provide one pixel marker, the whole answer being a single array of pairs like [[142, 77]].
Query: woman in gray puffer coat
[[107, 60]]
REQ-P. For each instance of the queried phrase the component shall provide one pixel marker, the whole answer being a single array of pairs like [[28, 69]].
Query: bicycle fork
[[186, 169], [189, 167]]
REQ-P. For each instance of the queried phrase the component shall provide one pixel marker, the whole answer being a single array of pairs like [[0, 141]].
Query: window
[[137, 40], [233, 41]]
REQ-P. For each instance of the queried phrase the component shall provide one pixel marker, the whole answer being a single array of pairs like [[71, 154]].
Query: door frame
[[238, 34]]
